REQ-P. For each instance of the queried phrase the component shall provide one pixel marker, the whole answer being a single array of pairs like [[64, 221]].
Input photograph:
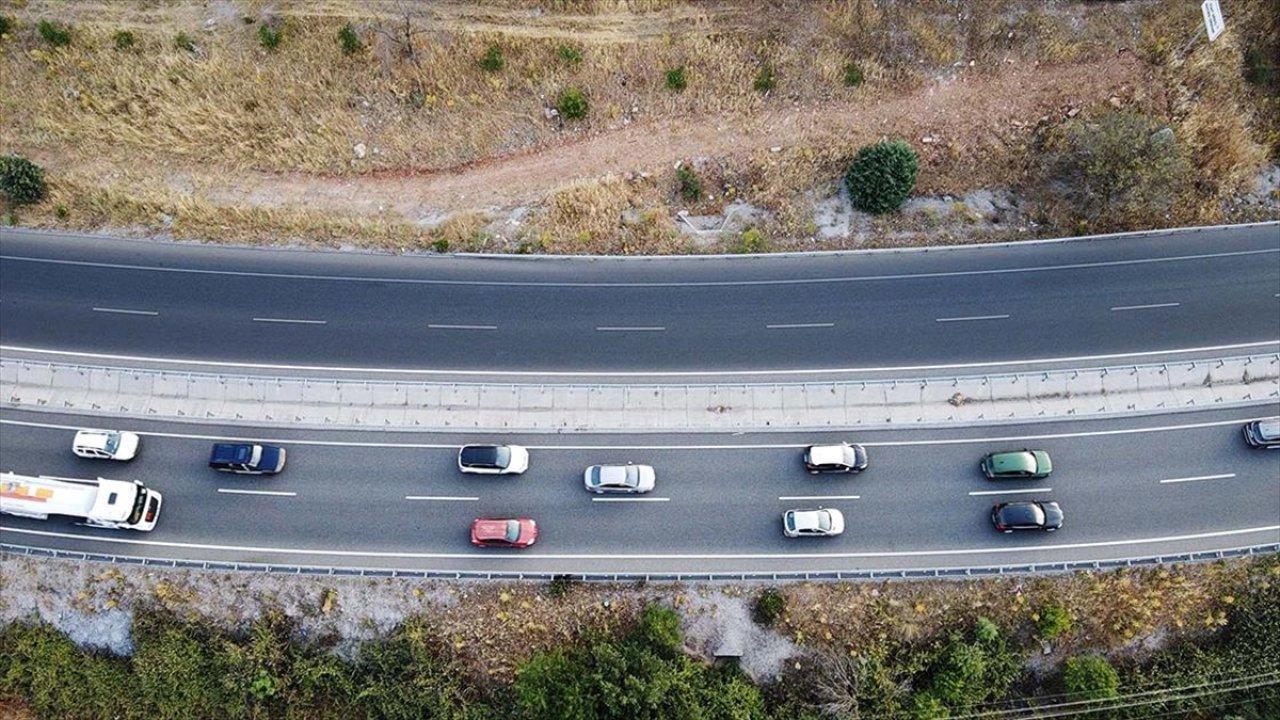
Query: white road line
[[1223, 476], [695, 283], [461, 327], [290, 321], [971, 317], [636, 328], [620, 499], [1006, 492], [993, 550], [737, 446], [276, 493], [442, 498], [635, 373], [120, 311], [1120, 308], [793, 326], [819, 497]]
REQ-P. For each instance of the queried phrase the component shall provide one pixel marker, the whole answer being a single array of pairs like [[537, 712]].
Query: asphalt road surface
[[1083, 299], [1129, 488]]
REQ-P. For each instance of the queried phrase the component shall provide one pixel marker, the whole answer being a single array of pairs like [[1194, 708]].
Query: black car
[[1026, 515], [841, 458], [247, 458], [1263, 434]]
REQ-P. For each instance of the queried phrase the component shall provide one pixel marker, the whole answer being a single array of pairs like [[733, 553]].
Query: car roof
[[1015, 461], [807, 519], [491, 529], [1022, 513], [827, 454], [1269, 429], [479, 454], [231, 452], [93, 438]]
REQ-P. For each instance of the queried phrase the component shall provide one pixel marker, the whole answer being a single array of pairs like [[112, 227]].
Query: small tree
[[881, 176], [572, 104], [1091, 677], [769, 606], [676, 79], [1054, 621], [492, 61], [350, 40], [269, 37], [21, 181], [688, 183], [765, 80], [124, 40], [852, 74], [56, 34], [568, 54]]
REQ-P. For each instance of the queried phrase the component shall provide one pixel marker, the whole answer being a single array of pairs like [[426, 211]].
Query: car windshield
[[824, 521], [513, 530], [256, 456], [112, 443], [791, 522]]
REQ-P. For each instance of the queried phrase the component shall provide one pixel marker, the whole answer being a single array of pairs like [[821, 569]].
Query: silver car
[[823, 522], [627, 478]]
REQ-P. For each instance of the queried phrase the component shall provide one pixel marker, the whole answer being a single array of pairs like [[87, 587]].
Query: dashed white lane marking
[[631, 328], [275, 493], [462, 327], [1006, 492], [971, 317], [290, 321], [628, 499], [121, 311], [819, 497], [1223, 476], [1271, 531], [442, 498], [1120, 308], [796, 326]]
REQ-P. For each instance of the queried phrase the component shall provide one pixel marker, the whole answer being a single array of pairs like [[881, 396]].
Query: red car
[[503, 532]]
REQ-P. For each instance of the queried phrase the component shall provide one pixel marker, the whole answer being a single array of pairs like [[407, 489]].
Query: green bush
[[184, 42], [6, 25], [350, 40], [752, 241], [985, 631], [769, 606], [881, 176], [21, 181], [568, 54], [124, 40], [688, 183], [560, 585], [765, 80], [1055, 620], [927, 706], [572, 104], [57, 679], [676, 79], [659, 629], [269, 37], [492, 61], [441, 245], [852, 74], [1091, 677], [56, 34]]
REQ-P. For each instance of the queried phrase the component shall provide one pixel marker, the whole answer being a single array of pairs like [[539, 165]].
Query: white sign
[[1213, 23]]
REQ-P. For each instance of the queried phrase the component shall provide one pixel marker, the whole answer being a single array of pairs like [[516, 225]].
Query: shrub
[[124, 40], [184, 42], [270, 37], [441, 245], [881, 176], [676, 79], [21, 181], [6, 25], [350, 40], [569, 54], [572, 104], [926, 706], [985, 631], [56, 34], [765, 80], [688, 183], [852, 74], [1091, 677], [492, 61], [1054, 621], [659, 629], [769, 606], [560, 585], [752, 241]]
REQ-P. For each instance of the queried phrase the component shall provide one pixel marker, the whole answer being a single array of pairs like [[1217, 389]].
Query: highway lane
[[637, 315], [914, 507]]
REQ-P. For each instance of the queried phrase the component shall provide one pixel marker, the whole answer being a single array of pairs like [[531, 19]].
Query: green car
[[1017, 465]]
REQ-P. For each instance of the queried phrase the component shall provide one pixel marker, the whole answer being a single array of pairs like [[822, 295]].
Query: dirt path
[[965, 112]]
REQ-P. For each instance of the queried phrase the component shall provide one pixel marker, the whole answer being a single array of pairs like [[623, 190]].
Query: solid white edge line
[[819, 497], [121, 311], [619, 499], [442, 498], [972, 317], [635, 373], [275, 493], [1223, 476], [290, 321], [1152, 306], [1000, 550], [738, 446], [1006, 492]]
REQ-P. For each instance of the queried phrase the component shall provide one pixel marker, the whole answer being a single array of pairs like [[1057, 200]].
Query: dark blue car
[[247, 458]]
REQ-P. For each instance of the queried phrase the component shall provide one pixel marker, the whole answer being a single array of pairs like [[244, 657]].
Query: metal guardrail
[[834, 575]]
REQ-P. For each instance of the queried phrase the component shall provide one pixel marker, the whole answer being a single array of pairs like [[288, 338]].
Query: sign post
[[1213, 24]]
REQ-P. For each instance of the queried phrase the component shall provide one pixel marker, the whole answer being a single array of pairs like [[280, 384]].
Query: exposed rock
[[360, 151]]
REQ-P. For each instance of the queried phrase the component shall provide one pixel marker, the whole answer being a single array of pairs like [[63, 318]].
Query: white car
[[823, 522], [619, 478], [105, 444], [493, 459]]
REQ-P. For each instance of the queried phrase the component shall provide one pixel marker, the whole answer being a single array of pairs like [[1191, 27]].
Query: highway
[[893, 311], [1129, 488]]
